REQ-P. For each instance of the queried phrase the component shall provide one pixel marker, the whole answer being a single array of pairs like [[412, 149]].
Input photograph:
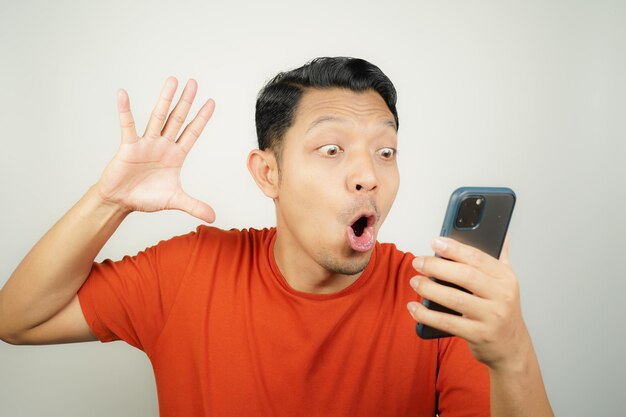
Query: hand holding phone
[[479, 217], [491, 320]]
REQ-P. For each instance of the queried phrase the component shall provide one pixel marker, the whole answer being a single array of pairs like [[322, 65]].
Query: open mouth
[[361, 236], [359, 226]]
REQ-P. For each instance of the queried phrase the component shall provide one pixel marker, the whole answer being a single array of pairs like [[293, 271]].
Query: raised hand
[[144, 175]]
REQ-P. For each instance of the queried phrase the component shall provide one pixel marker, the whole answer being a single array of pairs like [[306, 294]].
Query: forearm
[[519, 391], [56, 267]]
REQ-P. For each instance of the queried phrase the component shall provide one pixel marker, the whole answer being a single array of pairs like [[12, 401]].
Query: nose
[[362, 177]]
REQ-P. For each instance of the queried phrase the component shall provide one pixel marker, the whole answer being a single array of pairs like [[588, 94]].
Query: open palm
[[144, 175]]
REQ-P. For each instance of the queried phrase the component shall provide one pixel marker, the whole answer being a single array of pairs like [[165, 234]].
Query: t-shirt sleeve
[[462, 381], [130, 299]]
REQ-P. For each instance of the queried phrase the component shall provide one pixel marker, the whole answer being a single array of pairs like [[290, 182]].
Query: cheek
[[310, 203], [390, 184], [310, 184], [302, 194]]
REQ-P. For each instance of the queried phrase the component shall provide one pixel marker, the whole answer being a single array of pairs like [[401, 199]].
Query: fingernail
[[415, 282], [418, 263], [439, 244], [412, 307]]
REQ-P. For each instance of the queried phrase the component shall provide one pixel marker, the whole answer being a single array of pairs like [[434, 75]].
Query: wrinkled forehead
[[325, 108]]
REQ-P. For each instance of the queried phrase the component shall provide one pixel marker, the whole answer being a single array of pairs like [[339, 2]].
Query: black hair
[[278, 99]]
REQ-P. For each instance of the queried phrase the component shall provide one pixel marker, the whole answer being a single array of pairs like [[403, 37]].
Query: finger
[[193, 206], [504, 255], [451, 249], [456, 273], [193, 130], [460, 301], [127, 123], [449, 323], [179, 114], [159, 113]]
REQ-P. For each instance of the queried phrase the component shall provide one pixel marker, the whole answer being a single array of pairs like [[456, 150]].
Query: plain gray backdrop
[[530, 95]]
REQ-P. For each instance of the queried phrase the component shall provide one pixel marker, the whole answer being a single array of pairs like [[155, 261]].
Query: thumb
[[504, 254], [193, 206]]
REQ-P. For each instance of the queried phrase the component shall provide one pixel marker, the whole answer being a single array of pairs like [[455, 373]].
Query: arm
[[491, 322], [39, 302]]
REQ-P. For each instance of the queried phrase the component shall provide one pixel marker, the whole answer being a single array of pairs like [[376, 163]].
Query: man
[[308, 318]]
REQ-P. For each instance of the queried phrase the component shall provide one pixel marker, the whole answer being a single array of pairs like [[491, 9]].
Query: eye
[[330, 150], [387, 153]]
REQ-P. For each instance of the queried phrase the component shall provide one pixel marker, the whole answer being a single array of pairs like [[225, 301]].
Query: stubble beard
[[355, 262], [332, 263]]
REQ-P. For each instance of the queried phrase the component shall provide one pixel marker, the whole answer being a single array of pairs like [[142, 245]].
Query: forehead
[[342, 106]]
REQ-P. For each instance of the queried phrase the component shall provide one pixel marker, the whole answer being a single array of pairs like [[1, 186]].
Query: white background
[[526, 94]]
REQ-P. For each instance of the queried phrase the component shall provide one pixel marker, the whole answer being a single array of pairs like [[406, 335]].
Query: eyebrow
[[333, 119]]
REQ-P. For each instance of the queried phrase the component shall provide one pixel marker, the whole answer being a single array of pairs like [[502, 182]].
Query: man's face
[[338, 178]]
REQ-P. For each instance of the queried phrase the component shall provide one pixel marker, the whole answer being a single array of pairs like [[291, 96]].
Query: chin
[[345, 265]]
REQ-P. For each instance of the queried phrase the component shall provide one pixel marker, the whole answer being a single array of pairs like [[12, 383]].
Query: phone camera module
[[470, 212]]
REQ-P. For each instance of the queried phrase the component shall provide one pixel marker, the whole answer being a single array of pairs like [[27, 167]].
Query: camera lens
[[470, 212]]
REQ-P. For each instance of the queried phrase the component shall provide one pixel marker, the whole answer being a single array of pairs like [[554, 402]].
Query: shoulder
[[234, 233], [389, 257], [205, 232], [233, 239], [213, 236], [204, 237]]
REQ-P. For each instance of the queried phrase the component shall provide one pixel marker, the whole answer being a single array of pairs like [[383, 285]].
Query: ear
[[264, 169]]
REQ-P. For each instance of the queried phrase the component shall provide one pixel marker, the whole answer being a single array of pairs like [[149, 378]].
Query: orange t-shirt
[[227, 336]]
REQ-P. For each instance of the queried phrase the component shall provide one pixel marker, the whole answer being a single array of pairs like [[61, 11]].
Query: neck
[[303, 273]]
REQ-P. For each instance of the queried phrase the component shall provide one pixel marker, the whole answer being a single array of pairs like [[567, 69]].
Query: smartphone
[[479, 217]]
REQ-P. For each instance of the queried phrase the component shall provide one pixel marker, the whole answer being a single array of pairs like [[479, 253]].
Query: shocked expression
[[338, 178]]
